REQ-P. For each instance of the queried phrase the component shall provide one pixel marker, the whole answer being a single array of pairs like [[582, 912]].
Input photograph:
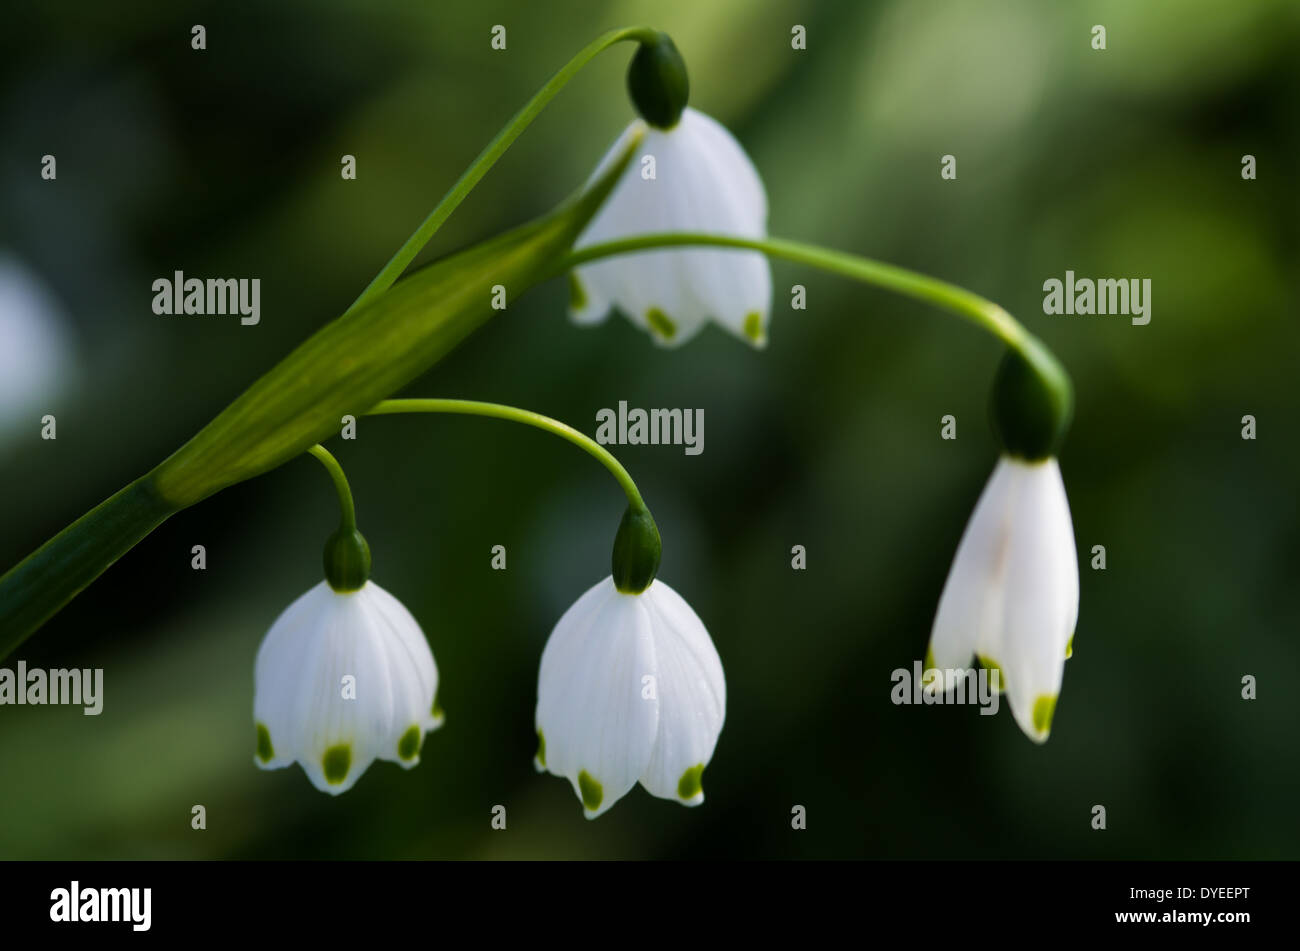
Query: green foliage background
[[1122, 163]]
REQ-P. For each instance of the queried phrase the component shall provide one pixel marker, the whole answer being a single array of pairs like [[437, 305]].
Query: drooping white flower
[[1012, 594], [343, 679], [703, 182], [630, 688]]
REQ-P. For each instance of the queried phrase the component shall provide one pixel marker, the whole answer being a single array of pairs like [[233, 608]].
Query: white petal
[[331, 730], [1041, 597], [968, 621], [277, 672], [703, 182], [413, 678], [597, 728], [335, 727], [692, 696]]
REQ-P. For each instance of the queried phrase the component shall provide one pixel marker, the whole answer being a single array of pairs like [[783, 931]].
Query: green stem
[[528, 418], [950, 297], [488, 157], [47, 579], [347, 510]]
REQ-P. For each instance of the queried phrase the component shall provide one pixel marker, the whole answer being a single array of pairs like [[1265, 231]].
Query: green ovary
[[336, 762], [592, 793]]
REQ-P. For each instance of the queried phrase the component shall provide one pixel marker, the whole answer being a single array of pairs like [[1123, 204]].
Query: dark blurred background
[[1122, 163]]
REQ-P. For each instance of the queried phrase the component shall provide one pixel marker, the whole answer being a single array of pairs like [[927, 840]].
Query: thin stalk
[[488, 157], [528, 418], [913, 284], [347, 511]]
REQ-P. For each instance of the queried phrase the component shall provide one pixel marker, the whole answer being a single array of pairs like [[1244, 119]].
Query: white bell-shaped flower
[[630, 688], [1012, 594], [343, 679], [692, 177]]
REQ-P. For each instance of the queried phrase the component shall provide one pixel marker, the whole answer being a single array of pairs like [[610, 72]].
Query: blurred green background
[[1122, 163]]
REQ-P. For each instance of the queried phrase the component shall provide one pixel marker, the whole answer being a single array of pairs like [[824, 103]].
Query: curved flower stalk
[[344, 676], [630, 690]]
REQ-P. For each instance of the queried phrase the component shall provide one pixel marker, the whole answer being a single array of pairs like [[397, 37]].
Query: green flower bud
[[637, 549], [657, 83], [347, 560], [1032, 402]]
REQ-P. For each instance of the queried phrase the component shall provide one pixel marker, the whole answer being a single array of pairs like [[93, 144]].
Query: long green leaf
[[344, 368]]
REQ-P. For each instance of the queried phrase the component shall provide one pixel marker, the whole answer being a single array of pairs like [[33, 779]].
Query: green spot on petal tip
[[336, 762], [1044, 708], [660, 323], [265, 751], [1069, 647], [753, 327], [541, 749], [1000, 683], [409, 744], [592, 793], [436, 710], [688, 787], [929, 659]]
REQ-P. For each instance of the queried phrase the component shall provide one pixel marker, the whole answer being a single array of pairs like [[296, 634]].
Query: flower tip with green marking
[[630, 690], [343, 678], [693, 177], [1012, 594]]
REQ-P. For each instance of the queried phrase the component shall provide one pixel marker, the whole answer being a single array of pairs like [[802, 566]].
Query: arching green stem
[[347, 553], [347, 511], [488, 157], [950, 297], [528, 418]]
